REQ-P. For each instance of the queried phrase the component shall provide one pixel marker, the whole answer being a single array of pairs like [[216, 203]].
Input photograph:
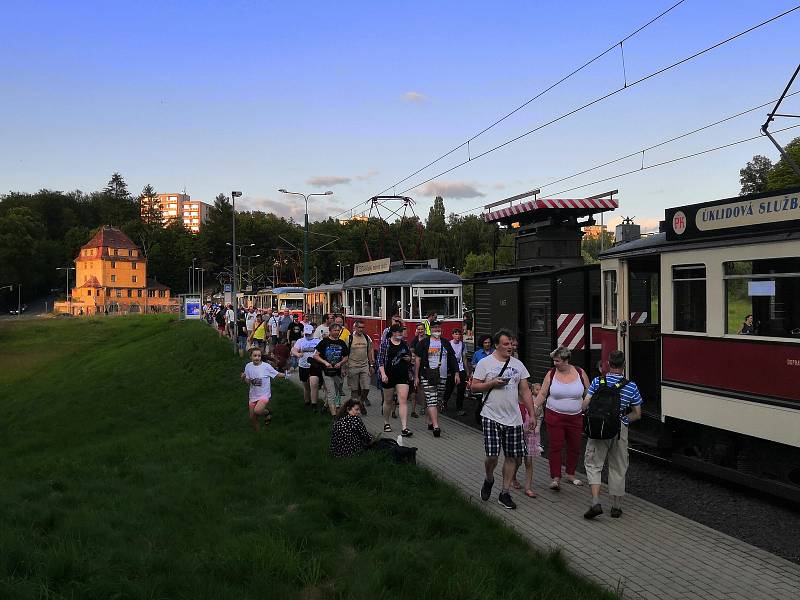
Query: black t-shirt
[[241, 327], [332, 351], [396, 366], [295, 331]]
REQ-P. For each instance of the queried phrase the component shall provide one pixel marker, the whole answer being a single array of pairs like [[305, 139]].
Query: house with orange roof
[[111, 277]]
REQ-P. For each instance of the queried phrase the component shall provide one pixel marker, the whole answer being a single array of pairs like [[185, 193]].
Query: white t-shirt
[[502, 405], [458, 348], [263, 372], [230, 316], [250, 321], [273, 325], [322, 331], [307, 347]]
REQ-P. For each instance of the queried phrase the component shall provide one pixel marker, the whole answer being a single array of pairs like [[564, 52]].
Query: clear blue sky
[[256, 96]]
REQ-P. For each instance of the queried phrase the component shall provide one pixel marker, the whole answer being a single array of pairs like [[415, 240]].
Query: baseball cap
[[308, 329]]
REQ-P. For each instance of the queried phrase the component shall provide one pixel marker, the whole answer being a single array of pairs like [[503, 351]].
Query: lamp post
[[202, 298], [306, 282], [66, 288]]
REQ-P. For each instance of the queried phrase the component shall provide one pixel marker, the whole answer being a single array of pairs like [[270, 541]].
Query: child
[[532, 441], [258, 374]]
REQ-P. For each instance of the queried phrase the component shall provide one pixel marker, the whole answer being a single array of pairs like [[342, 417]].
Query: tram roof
[[404, 277], [289, 290], [327, 287]]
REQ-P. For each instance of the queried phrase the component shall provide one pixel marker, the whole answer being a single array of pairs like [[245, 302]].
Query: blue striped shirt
[[629, 395]]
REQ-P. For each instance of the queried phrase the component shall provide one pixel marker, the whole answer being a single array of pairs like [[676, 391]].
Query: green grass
[[129, 470]]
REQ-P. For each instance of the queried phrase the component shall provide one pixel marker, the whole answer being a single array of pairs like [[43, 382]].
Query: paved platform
[[649, 553]]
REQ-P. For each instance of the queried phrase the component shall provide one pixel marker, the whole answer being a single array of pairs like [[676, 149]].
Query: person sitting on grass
[[258, 374], [349, 435]]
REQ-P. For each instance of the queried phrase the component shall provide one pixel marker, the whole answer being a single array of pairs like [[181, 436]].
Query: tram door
[[644, 339]]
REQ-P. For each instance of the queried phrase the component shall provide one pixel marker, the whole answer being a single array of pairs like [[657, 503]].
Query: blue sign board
[[227, 288]]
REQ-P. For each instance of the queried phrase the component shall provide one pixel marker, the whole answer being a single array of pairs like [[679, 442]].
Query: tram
[[708, 314], [323, 299], [412, 289], [279, 298]]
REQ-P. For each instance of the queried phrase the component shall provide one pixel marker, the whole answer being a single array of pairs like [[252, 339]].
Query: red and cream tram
[[708, 313], [413, 289], [323, 299]]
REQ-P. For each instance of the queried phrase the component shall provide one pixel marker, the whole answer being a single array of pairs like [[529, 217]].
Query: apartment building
[[178, 207]]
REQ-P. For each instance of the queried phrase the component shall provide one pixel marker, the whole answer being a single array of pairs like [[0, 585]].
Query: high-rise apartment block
[[177, 207]]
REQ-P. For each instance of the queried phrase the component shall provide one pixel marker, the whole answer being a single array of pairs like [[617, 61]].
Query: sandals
[[576, 482], [387, 428], [555, 485], [531, 494], [406, 433]]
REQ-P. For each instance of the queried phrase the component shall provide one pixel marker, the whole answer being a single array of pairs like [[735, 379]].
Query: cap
[[308, 329], [435, 323]]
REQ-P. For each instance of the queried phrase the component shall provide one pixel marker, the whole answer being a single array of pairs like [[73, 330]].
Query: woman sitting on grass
[[258, 374], [349, 436]]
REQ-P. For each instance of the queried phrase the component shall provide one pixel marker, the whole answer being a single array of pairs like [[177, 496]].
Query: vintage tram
[[324, 299], [412, 289], [279, 298], [708, 314]]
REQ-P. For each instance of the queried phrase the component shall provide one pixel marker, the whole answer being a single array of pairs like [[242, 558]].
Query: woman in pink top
[[562, 393]]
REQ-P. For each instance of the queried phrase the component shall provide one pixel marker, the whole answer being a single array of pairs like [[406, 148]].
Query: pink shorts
[[533, 440], [257, 400]]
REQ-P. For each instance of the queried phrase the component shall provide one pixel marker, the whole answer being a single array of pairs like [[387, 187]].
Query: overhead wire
[[606, 96], [648, 148]]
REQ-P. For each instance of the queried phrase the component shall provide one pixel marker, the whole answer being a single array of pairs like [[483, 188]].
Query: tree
[[150, 207], [754, 175], [782, 175], [591, 246], [116, 188]]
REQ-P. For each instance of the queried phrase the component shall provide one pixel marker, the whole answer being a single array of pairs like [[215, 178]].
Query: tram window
[[446, 307], [609, 297], [689, 297], [367, 302], [769, 290], [358, 305], [406, 308], [377, 307], [350, 302]]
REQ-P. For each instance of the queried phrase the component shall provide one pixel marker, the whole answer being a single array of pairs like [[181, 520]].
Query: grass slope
[[130, 471]]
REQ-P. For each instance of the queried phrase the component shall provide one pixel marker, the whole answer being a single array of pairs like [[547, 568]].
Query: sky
[[353, 97]]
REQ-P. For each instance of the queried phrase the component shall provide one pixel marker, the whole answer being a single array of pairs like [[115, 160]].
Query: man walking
[[324, 328], [460, 349], [614, 450], [284, 324], [230, 322], [503, 380], [360, 364]]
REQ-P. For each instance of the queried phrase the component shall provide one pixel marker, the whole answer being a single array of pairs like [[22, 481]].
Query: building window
[[113, 264], [689, 297], [118, 293], [88, 292], [609, 298], [138, 293], [160, 293], [115, 252], [134, 279], [130, 293], [134, 253], [769, 291], [151, 293], [133, 265], [108, 291], [113, 278]]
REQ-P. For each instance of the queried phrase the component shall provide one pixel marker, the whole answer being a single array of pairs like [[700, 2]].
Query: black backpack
[[603, 415]]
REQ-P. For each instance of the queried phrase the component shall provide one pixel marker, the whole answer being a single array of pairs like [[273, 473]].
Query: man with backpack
[[360, 365], [611, 404]]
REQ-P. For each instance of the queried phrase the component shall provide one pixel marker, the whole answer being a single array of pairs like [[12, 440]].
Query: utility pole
[[235, 300]]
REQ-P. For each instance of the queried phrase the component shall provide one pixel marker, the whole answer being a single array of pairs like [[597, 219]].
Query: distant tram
[[409, 288], [323, 299], [279, 298], [708, 314]]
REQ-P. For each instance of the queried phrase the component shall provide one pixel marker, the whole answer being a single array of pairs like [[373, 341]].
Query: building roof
[[544, 207], [110, 237], [91, 282], [327, 287], [152, 284]]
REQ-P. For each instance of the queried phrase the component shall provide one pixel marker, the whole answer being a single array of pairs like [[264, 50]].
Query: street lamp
[[66, 289], [306, 282]]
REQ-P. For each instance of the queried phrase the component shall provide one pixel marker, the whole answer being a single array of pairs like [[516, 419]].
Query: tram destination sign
[[374, 266], [766, 212]]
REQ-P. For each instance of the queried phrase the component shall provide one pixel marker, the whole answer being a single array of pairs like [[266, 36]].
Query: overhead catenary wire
[[606, 96], [538, 95]]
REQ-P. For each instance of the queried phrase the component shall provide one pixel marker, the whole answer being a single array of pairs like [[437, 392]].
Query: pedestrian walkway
[[648, 553]]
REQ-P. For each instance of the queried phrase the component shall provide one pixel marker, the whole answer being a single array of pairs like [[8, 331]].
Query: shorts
[[257, 400], [358, 378], [221, 327], [306, 373], [273, 340], [434, 392], [242, 342], [510, 438]]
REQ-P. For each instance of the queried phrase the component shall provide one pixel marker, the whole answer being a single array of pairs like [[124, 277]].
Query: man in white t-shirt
[[250, 320], [324, 328], [230, 322], [503, 381]]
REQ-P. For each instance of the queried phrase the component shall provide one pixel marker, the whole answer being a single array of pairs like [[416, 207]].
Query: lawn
[[130, 470]]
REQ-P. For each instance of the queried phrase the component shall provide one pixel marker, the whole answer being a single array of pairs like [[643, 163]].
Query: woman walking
[[562, 393], [435, 359], [394, 366]]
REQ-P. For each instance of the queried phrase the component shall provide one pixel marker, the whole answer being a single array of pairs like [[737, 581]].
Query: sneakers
[[593, 512], [437, 432], [430, 426], [616, 513], [505, 501], [406, 433], [414, 415], [486, 490]]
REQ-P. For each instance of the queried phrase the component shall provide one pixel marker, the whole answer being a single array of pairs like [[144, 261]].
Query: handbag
[[479, 406]]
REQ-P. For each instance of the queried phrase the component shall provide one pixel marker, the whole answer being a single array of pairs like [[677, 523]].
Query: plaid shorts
[[510, 438]]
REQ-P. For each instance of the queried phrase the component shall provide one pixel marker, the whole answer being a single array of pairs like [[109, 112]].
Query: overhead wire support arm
[[771, 117]]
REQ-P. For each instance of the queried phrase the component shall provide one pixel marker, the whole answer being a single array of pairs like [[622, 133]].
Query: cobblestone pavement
[[648, 553]]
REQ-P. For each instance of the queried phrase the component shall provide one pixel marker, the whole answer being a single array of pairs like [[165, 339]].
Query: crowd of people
[[337, 367]]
